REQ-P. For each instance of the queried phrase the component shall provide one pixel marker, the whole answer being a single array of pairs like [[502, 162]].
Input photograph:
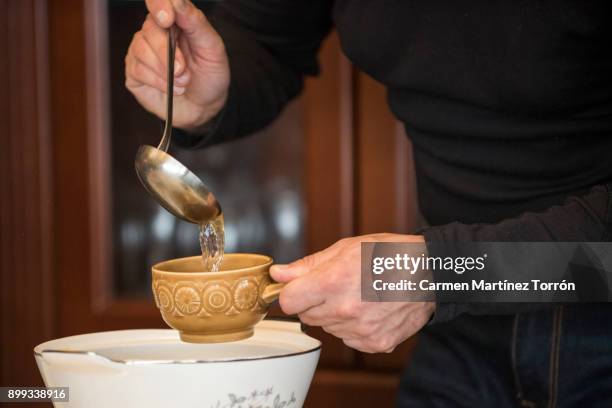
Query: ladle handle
[[271, 292], [165, 142]]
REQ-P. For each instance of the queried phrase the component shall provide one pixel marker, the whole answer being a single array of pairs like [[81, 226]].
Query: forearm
[[271, 46], [580, 219]]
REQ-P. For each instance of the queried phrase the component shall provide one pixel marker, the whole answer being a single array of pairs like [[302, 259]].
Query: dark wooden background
[[54, 130]]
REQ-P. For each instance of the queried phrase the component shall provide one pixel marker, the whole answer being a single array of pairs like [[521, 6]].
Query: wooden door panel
[[27, 314]]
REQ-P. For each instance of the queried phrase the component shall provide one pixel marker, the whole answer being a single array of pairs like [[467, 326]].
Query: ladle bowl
[[175, 187]]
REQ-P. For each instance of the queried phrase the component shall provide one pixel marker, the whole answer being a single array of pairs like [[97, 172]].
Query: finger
[[341, 330], [319, 316], [140, 74], [179, 62], [289, 272], [183, 80], [355, 327], [369, 345], [163, 12], [301, 294], [195, 26], [143, 53], [358, 345], [157, 39]]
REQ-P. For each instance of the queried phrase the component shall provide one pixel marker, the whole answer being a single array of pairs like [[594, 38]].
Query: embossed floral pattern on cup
[[187, 299], [217, 297], [164, 297], [246, 292]]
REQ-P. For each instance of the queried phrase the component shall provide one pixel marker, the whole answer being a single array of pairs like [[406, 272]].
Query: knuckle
[[285, 303], [138, 70], [345, 310], [154, 36], [219, 47], [300, 264], [309, 261], [365, 349], [138, 47], [381, 345], [349, 343], [357, 345], [369, 347], [363, 330], [199, 16], [305, 318], [149, 23], [129, 69], [327, 283], [342, 242], [137, 35]]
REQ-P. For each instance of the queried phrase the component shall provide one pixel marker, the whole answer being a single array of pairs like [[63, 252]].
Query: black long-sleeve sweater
[[508, 104]]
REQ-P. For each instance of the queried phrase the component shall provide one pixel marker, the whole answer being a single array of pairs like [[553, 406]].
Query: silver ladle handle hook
[[165, 142]]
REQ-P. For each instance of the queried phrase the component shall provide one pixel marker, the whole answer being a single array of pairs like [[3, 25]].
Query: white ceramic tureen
[[153, 368]]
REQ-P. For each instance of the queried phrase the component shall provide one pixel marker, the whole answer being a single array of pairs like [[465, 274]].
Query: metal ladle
[[176, 188]]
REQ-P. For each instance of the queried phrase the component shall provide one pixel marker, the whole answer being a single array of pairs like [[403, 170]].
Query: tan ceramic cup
[[212, 307]]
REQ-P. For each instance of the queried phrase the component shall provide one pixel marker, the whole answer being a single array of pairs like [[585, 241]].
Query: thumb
[[287, 273], [195, 26], [162, 11]]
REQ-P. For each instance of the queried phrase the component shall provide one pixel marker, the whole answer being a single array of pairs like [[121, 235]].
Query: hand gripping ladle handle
[[165, 142]]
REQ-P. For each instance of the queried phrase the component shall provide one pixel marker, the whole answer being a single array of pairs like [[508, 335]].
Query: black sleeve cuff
[[582, 218], [445, 311]]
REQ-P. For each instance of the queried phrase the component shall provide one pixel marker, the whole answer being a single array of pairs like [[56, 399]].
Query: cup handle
[[271, 292]]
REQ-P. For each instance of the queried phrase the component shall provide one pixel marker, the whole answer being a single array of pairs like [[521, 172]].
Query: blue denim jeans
[[559, 357]]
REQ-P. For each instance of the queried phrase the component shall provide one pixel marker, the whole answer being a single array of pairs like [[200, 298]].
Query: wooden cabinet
[[354, 168]]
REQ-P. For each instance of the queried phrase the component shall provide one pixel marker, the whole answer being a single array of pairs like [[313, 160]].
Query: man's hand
[[201, 68], [324, 290]]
